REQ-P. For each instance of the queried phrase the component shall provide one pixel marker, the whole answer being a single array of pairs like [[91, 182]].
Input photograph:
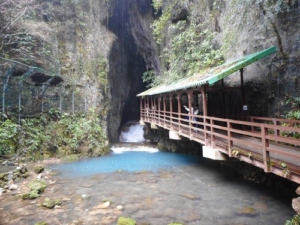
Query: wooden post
[[223, 99], [229, 138], [179, 110], [189, 93], [171, 111], [243, 92], [164, 102], [265, 144], [141, 108], [204, 102], [159, 111]]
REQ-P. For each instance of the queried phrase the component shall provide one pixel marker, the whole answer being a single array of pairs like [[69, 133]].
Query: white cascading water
[[133, 132], [132, 139]]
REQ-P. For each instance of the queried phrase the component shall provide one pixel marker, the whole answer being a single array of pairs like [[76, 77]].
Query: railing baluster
[[212, 130], [265, 144], [230, 142]]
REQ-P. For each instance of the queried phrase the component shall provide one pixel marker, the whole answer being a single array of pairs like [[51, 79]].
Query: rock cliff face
[[240, 28], [129, 21], [104, 46]]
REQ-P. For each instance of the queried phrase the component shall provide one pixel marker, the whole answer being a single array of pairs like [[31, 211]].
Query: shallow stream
[[153, 188]]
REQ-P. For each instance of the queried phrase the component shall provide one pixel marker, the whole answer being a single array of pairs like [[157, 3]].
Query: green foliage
[[190, 50], [9, 132], [32, 135], [160, 25], [150, 78], [102, 70], [294, 103], [157, 4], [51, 131], [189, 44], [75, 131], [294, 221]]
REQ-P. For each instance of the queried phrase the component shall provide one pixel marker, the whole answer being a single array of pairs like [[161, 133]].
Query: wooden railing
[[268, 143]]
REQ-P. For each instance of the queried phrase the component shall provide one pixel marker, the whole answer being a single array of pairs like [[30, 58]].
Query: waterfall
[[132, 140], [132, 132]]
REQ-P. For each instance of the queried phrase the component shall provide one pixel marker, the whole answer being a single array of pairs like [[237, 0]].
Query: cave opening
[[127, 64]]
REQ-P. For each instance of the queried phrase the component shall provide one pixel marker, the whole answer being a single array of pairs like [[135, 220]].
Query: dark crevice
[[127, 67]]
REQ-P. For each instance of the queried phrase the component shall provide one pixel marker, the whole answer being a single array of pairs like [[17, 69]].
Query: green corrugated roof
[[209, 76]]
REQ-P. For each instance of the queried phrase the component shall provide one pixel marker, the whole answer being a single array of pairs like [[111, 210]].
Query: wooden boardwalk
[[267, 143]]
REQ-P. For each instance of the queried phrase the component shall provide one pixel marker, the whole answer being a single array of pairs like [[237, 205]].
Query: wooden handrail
[[260, 136]]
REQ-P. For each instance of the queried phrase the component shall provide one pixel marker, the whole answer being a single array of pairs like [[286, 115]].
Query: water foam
[[120, 150], [133, 133]]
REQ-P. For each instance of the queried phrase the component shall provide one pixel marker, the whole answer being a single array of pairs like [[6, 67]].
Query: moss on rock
[[30, 195], [37, 185], [71, 158], [49, 203], [126, 221], [38, 168]]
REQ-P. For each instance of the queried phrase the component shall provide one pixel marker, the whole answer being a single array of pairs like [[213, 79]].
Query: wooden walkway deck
[[267, 143]]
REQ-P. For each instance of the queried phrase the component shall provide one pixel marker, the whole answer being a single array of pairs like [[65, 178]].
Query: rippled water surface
[[159, 187]]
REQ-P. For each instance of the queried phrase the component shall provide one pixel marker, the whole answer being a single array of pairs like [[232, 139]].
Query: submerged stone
[[41, 223], [37, 185], [49, 203], [103, 205], [30, 195], [70, 158], [248, 211], [126, 221], [38, 168]]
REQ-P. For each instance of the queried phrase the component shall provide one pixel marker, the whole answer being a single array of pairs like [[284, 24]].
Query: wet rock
[[248, 211], [84, 196], [2, 175], [104, 205], [50, 203], [2, 190], [126, 221], [119, 207], [38, 168], [13, 187], [298, 191], [71, 158], [25, 174], [37, 185], [296, 204], [190, 196], [30, 195], [39, 176]]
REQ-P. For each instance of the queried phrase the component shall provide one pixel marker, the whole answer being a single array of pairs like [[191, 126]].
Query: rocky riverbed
[[187, 194]]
